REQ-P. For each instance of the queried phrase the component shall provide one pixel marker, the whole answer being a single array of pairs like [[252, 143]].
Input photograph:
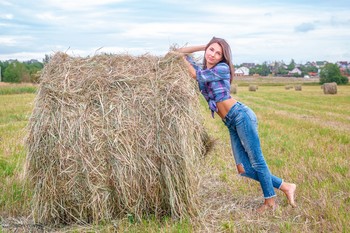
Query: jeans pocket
[[251, 115]]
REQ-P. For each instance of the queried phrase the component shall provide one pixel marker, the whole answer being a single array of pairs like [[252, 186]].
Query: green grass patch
[[10, 90], [6, 168], [14, 114]]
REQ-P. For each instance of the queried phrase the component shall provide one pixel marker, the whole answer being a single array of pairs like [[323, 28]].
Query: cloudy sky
[[258, 31]]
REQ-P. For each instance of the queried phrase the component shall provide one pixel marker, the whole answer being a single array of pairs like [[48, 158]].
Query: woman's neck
[[209, 66]]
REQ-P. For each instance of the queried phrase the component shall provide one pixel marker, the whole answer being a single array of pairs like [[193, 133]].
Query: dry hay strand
[[114, 135], [330, 88], [253, 87], [298, 87]]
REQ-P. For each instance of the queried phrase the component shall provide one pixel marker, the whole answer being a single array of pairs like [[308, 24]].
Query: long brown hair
[[226, 54]]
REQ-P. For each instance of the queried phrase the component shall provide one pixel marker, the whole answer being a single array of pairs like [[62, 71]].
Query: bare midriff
[[225, 106]]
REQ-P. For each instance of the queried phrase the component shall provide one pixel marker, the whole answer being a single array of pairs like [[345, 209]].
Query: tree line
[[329, 73], [13, 71], [281, 69]]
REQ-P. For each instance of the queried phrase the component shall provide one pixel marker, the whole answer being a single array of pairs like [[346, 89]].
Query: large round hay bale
[[330, 88], [114, 135], [252, 87]]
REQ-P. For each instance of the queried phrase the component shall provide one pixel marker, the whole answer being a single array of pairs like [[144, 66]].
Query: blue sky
[[258, 31]]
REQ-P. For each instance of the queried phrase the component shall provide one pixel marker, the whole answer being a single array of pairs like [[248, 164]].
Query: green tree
[[265, 71], [281, 71], [331, 73], [262, 70], [254, 70], [16, 72], [3, 66], [291, 65], [34, 69], [311, 69]]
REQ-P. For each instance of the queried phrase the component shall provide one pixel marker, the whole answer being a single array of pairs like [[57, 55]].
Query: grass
[[305, 137], [274, 81], [10, 89], [14, 113]]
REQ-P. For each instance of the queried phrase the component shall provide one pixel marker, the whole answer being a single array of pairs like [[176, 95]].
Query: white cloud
[[7, 41], [78, 5], [23, 56], [5, 3], [14, 40], [6, 16], [49, 16], [157, 30]]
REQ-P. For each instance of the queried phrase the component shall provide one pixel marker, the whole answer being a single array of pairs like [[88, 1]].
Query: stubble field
[[305, 137]]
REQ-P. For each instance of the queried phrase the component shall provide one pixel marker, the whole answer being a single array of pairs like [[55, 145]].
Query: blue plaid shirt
[[214, 83]]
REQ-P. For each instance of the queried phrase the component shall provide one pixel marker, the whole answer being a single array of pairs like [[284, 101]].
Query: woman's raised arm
[[191, 49]]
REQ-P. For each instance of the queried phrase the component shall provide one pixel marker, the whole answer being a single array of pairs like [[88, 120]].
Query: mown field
[[305, 138]]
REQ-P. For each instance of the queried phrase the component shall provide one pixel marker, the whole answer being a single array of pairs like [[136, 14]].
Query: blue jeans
[[242, 124]]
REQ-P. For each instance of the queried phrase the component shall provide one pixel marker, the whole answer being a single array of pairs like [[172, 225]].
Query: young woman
[[214, 79]]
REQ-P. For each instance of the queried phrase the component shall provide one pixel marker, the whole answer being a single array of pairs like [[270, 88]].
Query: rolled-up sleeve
[[219, 72], [190, 60]]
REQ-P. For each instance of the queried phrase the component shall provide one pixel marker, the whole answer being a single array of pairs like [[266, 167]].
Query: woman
[[214, 80]]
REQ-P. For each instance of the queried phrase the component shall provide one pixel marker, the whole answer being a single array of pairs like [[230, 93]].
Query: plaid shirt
[[213, 83]]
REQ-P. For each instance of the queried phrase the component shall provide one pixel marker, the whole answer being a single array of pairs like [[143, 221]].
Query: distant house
[[307, 64], [313, 74], [276, 66], [321, 64], [295, 71], [343, 64], [242, 71], [344, 71]]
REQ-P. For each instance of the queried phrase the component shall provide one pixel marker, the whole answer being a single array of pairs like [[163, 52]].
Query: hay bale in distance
[[330, 88], [234, 88], [252, 87], [113, 135], [298, 87], [287, 87]]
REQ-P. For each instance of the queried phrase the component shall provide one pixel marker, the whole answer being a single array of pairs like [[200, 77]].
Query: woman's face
[[213, 55]]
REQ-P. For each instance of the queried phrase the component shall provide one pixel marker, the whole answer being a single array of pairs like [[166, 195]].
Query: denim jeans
[[242, 124]]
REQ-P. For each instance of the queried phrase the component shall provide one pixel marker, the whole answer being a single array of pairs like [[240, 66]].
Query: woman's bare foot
[[289, 190], [265, 208], [269, 205]]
